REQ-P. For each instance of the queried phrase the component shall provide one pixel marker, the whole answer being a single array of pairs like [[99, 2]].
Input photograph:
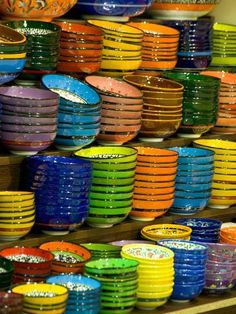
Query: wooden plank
[[203, 304], [129, 229]]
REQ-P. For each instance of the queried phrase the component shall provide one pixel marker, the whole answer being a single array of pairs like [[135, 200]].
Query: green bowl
[[113, 279], [108, 211], [108, 154], [102, 222], [110, 203], [112, 189], [101, 247], [202, 106], [231, 61], [114, 166], [4, 49], [120, 285], [110, 196], [224, 27], [113, 182], [111, 266], [127, 310], [117, 288], [130, 292], [113, 174]]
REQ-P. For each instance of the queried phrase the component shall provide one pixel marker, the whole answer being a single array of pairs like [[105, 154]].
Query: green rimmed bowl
[[108, 154], [108, 211], [115, 166], [110, 196], [113, 182], [113, 174], [112, 189], [110, 203]]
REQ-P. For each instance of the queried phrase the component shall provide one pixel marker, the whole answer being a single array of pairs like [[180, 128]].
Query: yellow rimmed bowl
[[166, 231]]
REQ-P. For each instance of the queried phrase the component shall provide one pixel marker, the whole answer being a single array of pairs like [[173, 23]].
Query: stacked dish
[[79, 111], [224, 44], [223, 187], [195, 45], [162, 109], [200, 103], [121, 109], [166, 231], [6, 273], [42, 45], [80, 47], [11, 303], [101, 250], [112, 10], [228, 235], [30, 264], [43, 297], [226, 122], [119, 282], [122, 45], [160, 45], [28, 119], [17, 214], [155, 273], [193, 180], [190, 261], [84, 293], [111, 195], [12, 54], [67, 257], [203, 229], [61, 186], [154, 183], [182, 9], [220, 268]]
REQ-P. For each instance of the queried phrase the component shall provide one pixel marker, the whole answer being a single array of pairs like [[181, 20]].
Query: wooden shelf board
[[203, 304], [129, 229]]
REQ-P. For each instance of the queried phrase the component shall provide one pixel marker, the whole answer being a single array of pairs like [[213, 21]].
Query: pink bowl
[[122, 100]]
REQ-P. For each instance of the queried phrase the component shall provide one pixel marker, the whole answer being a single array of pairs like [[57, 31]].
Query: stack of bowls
[[195, 45], [84, 293], [162, 109], [224, 44], [102, 250], [111, 195], [193, 180], [200, 103], [12, 54], [223, 187], [112, 10], [43, 297], [6, 272], [11, 303], [121, 109], [190, 261], [30, 264], [80, 47], [119, 279], [28, 119], [33, 11], [17, 214], [220, 268], [61, 186], [154, 183], [203, 229], [228, 235], [68, 258], [160, 45], [155, 273], [226, 122], [42, 45], [79, 111], [166, 231], [127, 41], [125, 242], [181, 9]]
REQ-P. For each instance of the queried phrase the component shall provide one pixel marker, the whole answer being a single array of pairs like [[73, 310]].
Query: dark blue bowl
[[186, 292], [191, 261], [189, 273], [82, 91], [204, 239], [199, 224], [7, 77], [68, 185], [61, 219], [196, 62], [58, 183]]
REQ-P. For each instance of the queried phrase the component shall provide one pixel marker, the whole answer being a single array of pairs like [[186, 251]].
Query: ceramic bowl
[[167, 231], [100, 250]]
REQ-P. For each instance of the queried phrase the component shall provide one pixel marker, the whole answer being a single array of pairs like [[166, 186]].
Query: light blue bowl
[[78, 118], [77, 132], [60, 84], [69, 126], [191, 155], [195, 173], [195, 167], [182, 203], [190, 194], [12, 65], [76, 142], [68, 107], [198, 187], [193, 179]]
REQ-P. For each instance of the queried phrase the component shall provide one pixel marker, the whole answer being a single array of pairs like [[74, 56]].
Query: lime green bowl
[[224, 27], [113, 182], [112, 266], [108, 211], [112, 189], [113, 174], [110, 196], [115, 166], [110, 203]]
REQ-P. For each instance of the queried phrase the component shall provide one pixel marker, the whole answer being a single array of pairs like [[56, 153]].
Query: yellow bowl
[[156, 284], [123, 65], [16, 214], [54, 311], [17, 225], [187, 238], [121, 53], [223, 193], [222, 185], [148, 287], [153, 295], [15, 196], [226, 157], [61, 293], [15, 204], [121, 45], [158, 277], [13, 56], [166, 231], [224, 177], [220, 203], [221, 147], [227, 171], [17, 219], [18, 209], [225, 164]]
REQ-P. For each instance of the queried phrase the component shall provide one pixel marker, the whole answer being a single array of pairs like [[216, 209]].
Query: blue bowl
[[60, 180], [67, 107], [183, 211], [12, 65], [55, 219], [193, 179], [7, 77], [191, 280], [198, 203], [77, 132], [189, 273], [71, 141], [205, 239], [78, 118], [83, 92], [197, 173], [186, 292], [198, 187], [195, 54], [191, 261], [196, 62], [35, 186], [184, 247], [191, 194], [200, 224], [194, 155], [81, 126], [195, 167], [113, 7], [187, 267]]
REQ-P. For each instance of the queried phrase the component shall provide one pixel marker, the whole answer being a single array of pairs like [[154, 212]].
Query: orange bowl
[[153, 205], [116, 138], [145, 215], [155, 170], [159, 184], [159, 178], [154, 191], [146, 197], [156, 155]]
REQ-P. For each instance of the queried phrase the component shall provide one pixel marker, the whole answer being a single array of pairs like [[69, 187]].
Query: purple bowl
[[193, 62], [30, 109], [28, 137], [223, 250], [212, 275], [218, 284], [7, 118], [26, 96], [26, 149], [28, 128], [218, 267]]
